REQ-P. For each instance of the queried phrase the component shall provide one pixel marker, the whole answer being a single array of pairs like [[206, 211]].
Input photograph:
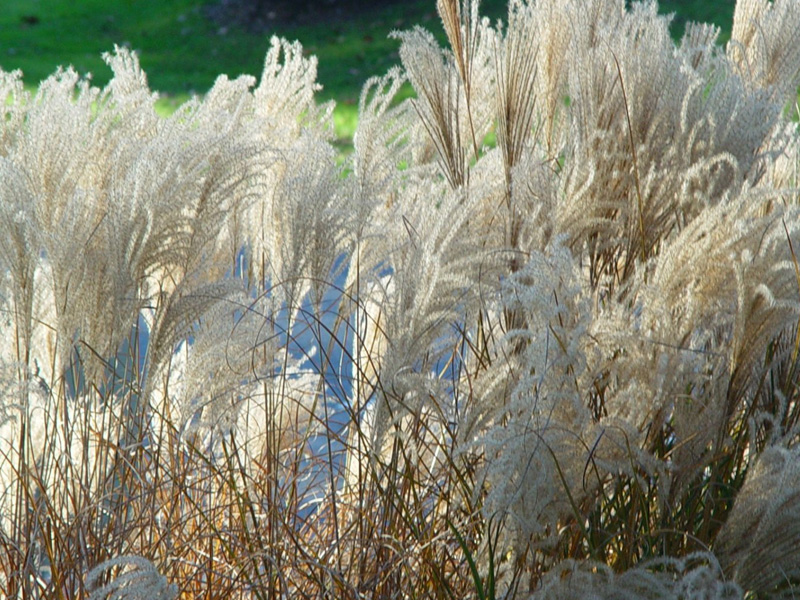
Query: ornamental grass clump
[[536, 338]]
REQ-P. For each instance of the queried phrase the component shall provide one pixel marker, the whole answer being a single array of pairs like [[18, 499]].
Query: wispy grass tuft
[[236, 364]]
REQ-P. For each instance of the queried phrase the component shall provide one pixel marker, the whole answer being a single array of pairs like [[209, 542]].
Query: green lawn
[[182, 51], [704, 11]]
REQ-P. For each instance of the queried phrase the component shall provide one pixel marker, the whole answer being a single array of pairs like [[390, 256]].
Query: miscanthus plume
[[537, 337]]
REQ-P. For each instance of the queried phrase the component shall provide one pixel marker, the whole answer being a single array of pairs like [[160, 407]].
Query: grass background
[[182, 50]]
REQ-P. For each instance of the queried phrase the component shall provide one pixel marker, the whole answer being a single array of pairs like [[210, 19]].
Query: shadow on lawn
[[259, 16]]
